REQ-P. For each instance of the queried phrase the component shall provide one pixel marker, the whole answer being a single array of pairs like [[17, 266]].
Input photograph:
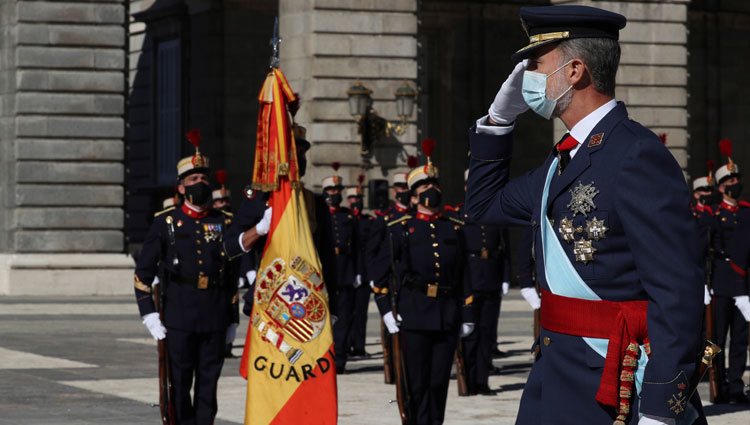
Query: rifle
[[713, 384], [166, 391], [463, 386], [385, 344], [402, 387]]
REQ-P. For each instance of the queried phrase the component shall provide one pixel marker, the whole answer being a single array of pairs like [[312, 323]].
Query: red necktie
[[563, 149]]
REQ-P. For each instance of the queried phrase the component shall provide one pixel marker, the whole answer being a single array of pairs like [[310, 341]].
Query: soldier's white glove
[[531, 297], [155, 282], [706, 295], [250, 276], [231, 332], [391, 323], [655, 420], [466, 330], [358, 281], [509, 103], [334, 319], [506, 288], [743, 304], [154, 325], [264, 225]]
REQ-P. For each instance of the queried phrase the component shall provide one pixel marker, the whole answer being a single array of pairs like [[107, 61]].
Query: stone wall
[[327, 45], [62, 84], [652, 79]]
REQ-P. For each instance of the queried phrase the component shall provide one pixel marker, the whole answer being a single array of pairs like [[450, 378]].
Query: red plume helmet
[[336, 165], [221, 177], [194, 137], [361, 179], [428, 146], [411, 161], [725, 148], [663, 138]]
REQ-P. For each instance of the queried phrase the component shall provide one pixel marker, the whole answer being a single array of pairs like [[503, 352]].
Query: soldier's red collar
[[399, 208], [427, 217], [333, 210], [193, 213], [703, 208], [729, 207]]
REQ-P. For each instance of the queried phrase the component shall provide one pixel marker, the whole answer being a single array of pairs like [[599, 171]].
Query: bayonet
[[275, 45]]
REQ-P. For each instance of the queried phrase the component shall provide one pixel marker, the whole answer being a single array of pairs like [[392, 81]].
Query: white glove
[[155, 282], [743, 304], [466, 330], [231, 332], [358, 281], [250, 276], [506, 288], [655, 420], [509, 103], [154, 325], [264, 225], [391, 323], [531, 297], [334, 319], [706, 295]]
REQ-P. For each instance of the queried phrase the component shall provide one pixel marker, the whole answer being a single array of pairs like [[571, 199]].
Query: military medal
[[484, 253], [566, 229], [596, 229], [202, 282], [582, 199], [583, 251]]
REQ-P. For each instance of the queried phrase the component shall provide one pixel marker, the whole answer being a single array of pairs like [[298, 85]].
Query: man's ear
[[181, 188], [578, 73]]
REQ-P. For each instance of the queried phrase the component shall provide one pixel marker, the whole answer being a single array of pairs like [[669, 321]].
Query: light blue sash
[[564, 280]]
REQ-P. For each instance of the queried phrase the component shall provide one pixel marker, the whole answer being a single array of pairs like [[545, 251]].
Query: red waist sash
[[623, 323]]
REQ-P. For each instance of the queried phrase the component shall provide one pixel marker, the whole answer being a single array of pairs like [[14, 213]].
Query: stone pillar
[[652, 79], [327, 45], [62, 74]]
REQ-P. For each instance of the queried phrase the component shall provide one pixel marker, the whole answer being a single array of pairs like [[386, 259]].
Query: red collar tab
[[567, 144], [428, 217], [398, 208], [729, 207], [192, 213], [333, 210], [703, 208], [744, 204]]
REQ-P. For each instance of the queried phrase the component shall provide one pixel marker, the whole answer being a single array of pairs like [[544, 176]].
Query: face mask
[[198, 194], [357, 206], [403, 198], [733, 191], [333, 200], [534, 92], [431, 197], [706, 199]]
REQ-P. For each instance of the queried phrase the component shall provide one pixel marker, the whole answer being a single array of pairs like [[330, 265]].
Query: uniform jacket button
[[546, 341]]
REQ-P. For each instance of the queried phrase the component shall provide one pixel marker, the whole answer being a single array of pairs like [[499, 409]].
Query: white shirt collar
[[582, 129]]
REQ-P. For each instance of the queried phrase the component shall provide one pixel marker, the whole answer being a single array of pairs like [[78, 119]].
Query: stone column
[[62, 68], [652, 79], [327, 45]]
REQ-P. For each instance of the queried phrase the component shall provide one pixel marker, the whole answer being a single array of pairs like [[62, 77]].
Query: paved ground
[[89, 361]]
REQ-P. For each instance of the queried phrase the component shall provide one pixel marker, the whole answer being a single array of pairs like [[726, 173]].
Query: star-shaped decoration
[[583, 251], [596, 229], [566, 229], [582, 199]]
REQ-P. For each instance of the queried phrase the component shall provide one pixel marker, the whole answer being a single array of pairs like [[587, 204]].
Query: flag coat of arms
[[288, 356]]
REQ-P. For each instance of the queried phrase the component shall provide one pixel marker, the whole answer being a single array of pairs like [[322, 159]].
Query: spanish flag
[[288, 356]]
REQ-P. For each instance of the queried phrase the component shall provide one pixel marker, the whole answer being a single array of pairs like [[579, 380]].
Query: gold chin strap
[[549, 36]]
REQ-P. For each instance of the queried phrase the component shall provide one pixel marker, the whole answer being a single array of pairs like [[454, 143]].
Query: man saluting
[[613, 238]]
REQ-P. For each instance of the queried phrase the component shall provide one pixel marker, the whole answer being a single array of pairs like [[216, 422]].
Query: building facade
[[96, 96]]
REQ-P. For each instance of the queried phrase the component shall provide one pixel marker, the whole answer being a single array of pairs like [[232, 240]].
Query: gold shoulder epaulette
[[399, 220], [455, 220], [227, 213], [157, 214]]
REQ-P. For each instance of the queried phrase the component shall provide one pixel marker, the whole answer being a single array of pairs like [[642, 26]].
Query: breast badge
[[582, 202]]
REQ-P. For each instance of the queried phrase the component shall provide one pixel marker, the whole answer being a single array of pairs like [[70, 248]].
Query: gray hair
[[601, 56]]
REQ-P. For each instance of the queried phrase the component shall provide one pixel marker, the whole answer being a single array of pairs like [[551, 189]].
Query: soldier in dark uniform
[[346, 256], [488, 268], [362, 292], [704, 200], [185, 245], [433, 296], [730, 284]]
